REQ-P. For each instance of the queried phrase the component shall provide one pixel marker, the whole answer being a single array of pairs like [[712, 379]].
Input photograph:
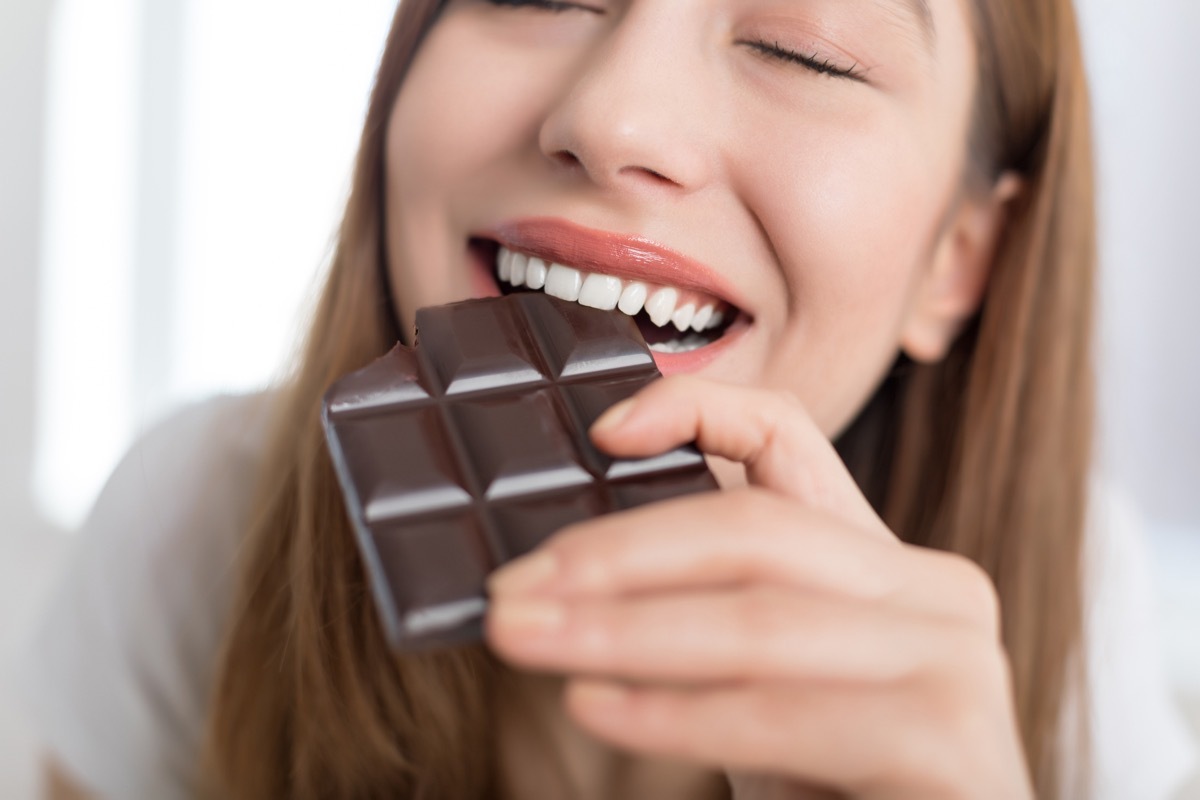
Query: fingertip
[[525, 575], [612, 419], [595, 700]]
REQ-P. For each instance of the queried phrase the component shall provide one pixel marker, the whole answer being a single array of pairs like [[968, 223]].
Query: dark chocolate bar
[[471, 449]]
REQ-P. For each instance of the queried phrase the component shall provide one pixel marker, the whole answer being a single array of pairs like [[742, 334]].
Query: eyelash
[[553, 6], [814, 62]]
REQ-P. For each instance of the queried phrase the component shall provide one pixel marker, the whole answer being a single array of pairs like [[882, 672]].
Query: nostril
[[565, 158], [572, 162], [657, 176]]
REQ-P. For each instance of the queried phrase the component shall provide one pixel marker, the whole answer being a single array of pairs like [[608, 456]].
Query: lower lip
[[484, 284], [701, 357]]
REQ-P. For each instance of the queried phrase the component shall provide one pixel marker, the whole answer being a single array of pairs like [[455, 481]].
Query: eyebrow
[[923, 16]]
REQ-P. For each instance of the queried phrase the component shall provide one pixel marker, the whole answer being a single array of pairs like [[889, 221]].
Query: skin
[[777, 633]]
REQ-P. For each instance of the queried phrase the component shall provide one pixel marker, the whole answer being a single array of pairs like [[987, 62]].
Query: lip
[[620, 255], [483, 279], [696, 360]]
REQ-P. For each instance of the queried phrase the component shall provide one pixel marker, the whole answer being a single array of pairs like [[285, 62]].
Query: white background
[[170, 176]]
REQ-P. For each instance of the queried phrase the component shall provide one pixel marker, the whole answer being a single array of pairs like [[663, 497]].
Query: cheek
[[434, 135], [452, 121], [853, 215], [468, 102], [463, 127], [850, 215]]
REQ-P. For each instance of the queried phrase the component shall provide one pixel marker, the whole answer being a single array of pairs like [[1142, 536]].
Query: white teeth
[[520, 263], [685, 345], [633, 299], [600, 291], [661, 306], [606, 292], [682, 318], [535, 273], [563, 282]]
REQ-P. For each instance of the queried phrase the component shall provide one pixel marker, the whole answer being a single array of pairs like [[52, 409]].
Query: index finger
[[767, 431]]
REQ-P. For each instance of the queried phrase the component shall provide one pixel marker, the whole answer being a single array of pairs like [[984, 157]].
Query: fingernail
[[613, 416], [528, 616], [524, 574]]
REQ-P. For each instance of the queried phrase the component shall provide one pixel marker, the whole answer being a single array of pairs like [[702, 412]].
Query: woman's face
[[792, 163]]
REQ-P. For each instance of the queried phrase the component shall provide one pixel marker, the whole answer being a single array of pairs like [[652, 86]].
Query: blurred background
[[171, 172]]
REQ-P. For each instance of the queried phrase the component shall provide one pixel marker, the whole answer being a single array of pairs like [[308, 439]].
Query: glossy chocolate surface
[[471, 449]]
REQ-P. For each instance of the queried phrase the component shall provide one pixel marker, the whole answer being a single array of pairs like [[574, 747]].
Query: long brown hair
[[984, 454]]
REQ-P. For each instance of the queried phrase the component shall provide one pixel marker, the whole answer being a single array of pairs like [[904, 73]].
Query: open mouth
[[672, 320]]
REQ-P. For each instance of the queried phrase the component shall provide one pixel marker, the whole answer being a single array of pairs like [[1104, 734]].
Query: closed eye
[[553, 6], [814, 62]]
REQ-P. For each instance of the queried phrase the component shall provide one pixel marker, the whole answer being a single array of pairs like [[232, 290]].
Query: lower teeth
[[685, 345]]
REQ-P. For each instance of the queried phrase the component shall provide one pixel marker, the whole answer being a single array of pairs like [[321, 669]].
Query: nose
[[635, 117]]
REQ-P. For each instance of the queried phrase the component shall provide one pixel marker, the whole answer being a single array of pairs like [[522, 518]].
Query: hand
[[778, 631]]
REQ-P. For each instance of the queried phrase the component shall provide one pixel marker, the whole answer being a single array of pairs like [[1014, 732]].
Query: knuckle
[[594, 633], [977, 593], [776, 409], [991, 666], [781, 410], [761, 615], [978, 670]]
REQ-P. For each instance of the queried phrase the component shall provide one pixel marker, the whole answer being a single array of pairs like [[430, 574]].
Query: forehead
[[921, 12], [914, 17]]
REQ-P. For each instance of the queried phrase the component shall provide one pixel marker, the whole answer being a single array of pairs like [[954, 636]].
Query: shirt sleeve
[[1142, 747], [118, 671]]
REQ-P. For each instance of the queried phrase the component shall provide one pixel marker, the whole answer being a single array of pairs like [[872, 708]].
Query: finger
[[735, 538], [767, 431], [846, 738], [730, 637], [822, 745]]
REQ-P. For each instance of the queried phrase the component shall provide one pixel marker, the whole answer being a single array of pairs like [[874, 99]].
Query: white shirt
[[119, 672]]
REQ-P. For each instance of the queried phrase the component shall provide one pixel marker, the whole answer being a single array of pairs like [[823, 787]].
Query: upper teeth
[[662, 304]]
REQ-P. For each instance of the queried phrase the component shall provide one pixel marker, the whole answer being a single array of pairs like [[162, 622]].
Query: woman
[[890, 203]]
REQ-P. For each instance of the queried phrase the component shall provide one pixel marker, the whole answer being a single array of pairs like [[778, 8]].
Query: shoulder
[[183, 488], [171, 515], [121, 665], [175, 465], [160, 544]]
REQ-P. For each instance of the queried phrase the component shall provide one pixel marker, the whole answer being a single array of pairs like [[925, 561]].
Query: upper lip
[[620, 255]]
